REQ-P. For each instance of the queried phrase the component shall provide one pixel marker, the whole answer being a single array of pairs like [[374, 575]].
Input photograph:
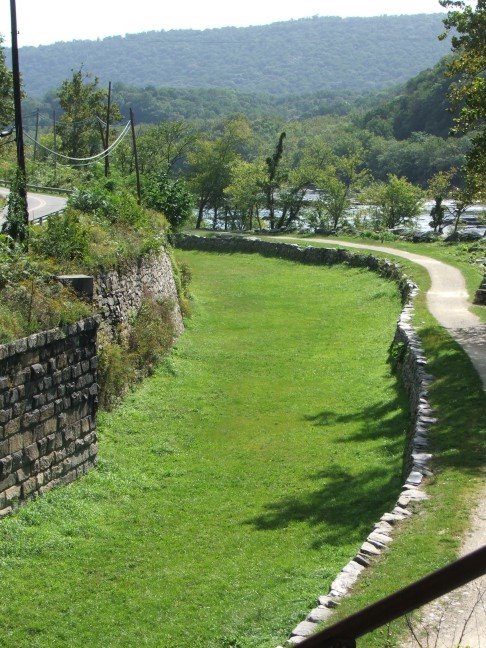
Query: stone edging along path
[[411, 364]]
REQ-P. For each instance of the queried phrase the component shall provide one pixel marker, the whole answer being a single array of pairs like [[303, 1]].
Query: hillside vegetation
[[293, 57], [420, 105]]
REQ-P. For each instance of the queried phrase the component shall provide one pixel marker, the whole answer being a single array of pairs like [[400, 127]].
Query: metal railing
[[40, 220], [343, 634], [58, 190]]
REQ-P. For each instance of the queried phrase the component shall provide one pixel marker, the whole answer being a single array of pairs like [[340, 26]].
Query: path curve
[[447, 300]]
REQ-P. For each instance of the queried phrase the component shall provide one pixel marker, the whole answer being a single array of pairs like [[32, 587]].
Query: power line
[[93, 158]]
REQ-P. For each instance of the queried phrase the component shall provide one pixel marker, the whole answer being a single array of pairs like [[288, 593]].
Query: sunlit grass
[[234, 483]]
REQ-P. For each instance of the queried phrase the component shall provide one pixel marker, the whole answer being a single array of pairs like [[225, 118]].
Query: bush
[[422, 237], [63, 237], [136, 350], [182, 277], [152, 332], [89, 201], [465, 235], [115, 372]]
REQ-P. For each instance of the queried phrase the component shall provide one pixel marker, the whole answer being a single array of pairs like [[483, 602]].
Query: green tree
[[337, 182], [468, 24], [210, 166], [171, 197], [15, 225], [6, 90], [438, 189], [393, 203], [161, 148], [272, 180], [244, 193], [83, 103]]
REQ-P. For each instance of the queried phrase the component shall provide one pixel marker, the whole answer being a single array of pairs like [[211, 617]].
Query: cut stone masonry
[[48, 401], [49, 390]]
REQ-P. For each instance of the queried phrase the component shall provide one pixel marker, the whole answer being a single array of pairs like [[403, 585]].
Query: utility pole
[[36, 133], [55, 144], [134, 141], [19, 133], [107, 134]]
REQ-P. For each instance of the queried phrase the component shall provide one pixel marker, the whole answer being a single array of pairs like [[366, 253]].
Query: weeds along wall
[[49, 384]]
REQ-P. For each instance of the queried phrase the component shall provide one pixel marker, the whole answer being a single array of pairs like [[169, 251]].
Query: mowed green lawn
[[234, 483]]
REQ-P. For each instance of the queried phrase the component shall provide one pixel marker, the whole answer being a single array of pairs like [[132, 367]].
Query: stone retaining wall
[[118, 293], [49, 390], [480, 297], [410, 364], [48, 401]]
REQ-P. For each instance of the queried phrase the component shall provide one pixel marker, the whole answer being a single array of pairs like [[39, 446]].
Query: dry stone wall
[[49, 390], [480, 297], [48, 401]]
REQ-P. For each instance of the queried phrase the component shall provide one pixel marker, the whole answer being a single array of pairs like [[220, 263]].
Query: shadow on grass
[[345, 503], [342, 506]]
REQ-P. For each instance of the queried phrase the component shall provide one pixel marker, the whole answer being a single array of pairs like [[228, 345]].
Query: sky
[[41, 22]]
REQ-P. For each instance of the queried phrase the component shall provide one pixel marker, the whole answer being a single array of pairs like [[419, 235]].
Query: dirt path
[[460, 618]]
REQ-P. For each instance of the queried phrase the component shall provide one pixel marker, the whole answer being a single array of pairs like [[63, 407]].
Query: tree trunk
[[200, 215]]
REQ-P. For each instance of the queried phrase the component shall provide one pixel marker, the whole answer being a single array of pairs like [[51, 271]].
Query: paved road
[[39, 204]]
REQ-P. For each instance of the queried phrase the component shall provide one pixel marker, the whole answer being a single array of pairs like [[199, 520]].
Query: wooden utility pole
[[19, 132], [107, 134], [55, 144], [134, 141], [36, 133]]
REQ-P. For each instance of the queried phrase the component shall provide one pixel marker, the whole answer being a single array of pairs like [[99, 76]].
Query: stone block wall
[[118, 293], [480, 297], [48, 401], [293, 252]]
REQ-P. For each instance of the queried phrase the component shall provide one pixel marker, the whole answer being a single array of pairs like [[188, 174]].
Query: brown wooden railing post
[[405, 600]]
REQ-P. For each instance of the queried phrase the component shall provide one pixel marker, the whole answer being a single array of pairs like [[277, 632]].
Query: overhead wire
[[90, 159]]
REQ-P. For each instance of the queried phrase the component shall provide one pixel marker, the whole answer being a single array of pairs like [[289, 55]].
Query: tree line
[[241, 172]]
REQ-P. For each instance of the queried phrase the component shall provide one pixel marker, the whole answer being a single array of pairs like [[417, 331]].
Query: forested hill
[[295, 57], [421, 105]]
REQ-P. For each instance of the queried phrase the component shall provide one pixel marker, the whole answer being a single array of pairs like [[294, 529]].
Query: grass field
[[432, 538], [234, 483]]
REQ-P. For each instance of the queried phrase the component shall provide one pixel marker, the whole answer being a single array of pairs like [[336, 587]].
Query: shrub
[[465, 235], [89, 200], [115, 372], [152, 331], [136, 350], [64, 237], [182, 277]]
